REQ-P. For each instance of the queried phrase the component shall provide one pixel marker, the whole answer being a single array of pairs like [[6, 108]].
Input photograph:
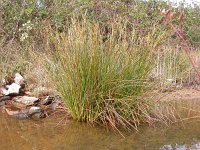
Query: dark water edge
[[49, 135]]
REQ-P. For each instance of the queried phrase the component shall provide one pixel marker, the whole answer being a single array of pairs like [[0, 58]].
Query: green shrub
[[143, 15]]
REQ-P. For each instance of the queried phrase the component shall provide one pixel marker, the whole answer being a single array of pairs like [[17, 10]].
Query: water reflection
[[48, 135]]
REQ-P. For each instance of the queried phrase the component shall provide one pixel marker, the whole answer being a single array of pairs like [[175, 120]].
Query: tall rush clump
[[102, 78]]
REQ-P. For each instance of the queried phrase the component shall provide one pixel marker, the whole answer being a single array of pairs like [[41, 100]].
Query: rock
[[20, 115], [17, 105], [13, 89], [8, 80], [2, 103], [3, 91], [27, 100], [47, 101], [5, 98], [38, 115], [180, 147], [18, 79], [11, 113], [54, 105], [33, 110], [27, 93], [17, 114], [166, 147], [14, 96], [7, 86], [195, 147]]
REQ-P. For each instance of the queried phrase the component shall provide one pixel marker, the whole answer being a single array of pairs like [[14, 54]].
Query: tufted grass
[[102, 78]]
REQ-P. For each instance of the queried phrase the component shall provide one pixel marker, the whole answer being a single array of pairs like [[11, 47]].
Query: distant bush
[[142, 15]]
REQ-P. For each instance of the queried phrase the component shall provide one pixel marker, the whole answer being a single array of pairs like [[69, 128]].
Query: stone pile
[[16, 101]]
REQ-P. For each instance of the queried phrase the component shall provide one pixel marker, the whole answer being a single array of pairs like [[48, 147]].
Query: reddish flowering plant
[[168, 18]]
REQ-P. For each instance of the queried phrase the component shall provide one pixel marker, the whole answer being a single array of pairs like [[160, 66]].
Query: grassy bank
[[104, 58]]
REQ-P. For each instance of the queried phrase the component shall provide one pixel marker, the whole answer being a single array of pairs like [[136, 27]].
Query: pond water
[[50, 135]]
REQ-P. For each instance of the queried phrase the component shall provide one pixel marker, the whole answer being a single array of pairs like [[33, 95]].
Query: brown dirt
[[183, 94]]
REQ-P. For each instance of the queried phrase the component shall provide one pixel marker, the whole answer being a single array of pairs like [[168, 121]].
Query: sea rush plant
[[102, 81]]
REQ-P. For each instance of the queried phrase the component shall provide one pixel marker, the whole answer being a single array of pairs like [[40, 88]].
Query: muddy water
[[49, 135]]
